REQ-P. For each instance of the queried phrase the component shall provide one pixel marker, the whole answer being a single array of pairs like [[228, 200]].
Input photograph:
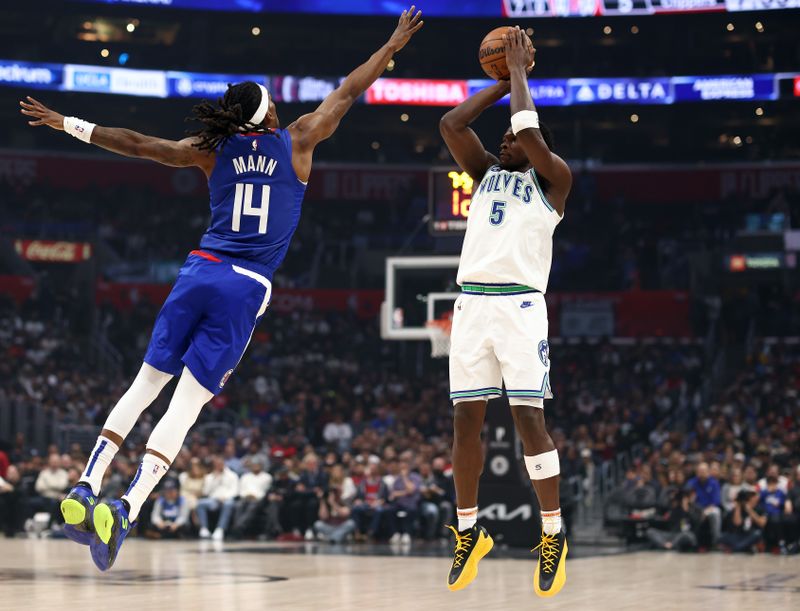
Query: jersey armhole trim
[[541, 193], [288, 141]]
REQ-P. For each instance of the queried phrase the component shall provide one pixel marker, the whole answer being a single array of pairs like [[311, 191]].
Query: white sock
[[551, 521], [467, 517], [149, 473], [101, 456]]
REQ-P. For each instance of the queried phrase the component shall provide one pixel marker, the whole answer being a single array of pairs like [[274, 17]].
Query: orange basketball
[[492, 53]]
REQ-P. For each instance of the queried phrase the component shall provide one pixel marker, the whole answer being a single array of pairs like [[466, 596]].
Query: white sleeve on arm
[[155, 516], [185, 512], [208, 479], [230, 485]]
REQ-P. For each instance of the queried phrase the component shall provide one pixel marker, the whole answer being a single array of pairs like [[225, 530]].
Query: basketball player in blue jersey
[[257, 174]]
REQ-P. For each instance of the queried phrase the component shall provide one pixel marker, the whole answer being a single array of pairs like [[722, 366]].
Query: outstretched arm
[[464, 144], [311, 129], [547, 163], [176, 153]]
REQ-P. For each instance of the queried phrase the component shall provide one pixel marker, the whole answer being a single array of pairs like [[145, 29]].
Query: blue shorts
[[208, 319]]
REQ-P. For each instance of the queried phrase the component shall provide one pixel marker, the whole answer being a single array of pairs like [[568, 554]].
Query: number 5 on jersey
[[498, 212], [244, 195]]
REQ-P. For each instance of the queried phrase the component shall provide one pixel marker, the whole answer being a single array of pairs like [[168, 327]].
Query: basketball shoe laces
[[549, 552], [462, 546]]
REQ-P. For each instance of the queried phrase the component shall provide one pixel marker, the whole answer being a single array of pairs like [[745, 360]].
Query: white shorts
[[496, 339]]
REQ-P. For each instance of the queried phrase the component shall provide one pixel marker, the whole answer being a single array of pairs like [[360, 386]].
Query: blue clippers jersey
[[255, 200]]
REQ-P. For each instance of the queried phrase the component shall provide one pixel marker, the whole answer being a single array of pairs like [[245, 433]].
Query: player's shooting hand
[[42, 114], [519, 50], [408, 25]]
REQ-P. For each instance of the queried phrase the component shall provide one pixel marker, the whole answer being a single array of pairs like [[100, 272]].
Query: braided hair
[[229, 116]]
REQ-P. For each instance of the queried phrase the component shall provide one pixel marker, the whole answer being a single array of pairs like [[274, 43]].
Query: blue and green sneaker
[[78, 511], [111, 526]]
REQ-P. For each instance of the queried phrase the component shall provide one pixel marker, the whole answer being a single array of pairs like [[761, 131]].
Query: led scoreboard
[[449, 197]]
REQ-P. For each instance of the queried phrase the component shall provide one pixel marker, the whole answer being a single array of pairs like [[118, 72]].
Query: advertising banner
[[394, 91], [53, 251], [470, 8]]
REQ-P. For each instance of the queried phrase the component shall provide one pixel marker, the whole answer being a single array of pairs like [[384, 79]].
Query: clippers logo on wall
[[53, 252]]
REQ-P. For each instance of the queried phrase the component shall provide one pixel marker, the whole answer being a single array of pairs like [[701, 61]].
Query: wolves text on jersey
[[500, 182]]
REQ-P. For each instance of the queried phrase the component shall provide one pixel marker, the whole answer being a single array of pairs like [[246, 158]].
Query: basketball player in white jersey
[[499, 333]]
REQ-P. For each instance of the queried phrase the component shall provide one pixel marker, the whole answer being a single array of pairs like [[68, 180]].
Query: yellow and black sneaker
[[551, 570], [472, 544]]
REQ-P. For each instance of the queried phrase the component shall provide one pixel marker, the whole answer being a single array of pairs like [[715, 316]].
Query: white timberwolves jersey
[[510, 228]]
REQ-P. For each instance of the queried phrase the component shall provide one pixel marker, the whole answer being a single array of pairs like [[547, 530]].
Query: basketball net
[[439, 334]]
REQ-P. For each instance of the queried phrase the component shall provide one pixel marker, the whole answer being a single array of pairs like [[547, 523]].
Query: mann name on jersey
[[254, 163]]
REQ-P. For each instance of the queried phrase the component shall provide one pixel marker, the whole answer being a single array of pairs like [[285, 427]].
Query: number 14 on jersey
[[243, 204]]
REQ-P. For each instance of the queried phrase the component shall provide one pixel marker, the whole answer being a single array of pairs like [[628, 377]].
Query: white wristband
[[78, 128], [523, 120]]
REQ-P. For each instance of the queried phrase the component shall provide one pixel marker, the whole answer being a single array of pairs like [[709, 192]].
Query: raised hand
[[520, 52], [408, 25], [42, 114]]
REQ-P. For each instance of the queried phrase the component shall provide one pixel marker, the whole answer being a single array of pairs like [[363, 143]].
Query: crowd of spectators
[[329, 432], [270, 487], [731, 481]]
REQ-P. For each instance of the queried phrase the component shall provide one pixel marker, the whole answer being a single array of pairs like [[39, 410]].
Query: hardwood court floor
[[47, 574]]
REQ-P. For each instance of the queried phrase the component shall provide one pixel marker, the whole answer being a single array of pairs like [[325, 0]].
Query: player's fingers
[[36, 123], [417, 27], [416, 17], [34, 101]]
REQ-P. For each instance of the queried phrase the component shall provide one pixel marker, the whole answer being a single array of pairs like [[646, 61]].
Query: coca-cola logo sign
[[53, 251]]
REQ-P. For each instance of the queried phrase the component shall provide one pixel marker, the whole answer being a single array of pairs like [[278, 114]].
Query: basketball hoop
[[439, 334]]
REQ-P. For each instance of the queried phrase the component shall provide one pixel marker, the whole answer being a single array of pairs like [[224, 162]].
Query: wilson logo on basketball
[[489, 51]]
